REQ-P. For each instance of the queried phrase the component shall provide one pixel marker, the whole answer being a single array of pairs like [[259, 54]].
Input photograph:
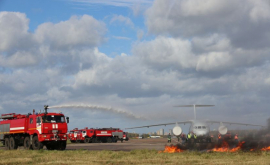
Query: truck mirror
[[67, 119]]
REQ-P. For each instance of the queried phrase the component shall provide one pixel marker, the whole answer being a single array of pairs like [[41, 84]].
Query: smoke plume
[[101, 108]]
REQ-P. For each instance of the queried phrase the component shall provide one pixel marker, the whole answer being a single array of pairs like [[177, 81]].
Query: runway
[[132, 144]]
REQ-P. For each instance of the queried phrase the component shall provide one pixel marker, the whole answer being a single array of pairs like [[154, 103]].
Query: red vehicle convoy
[[104, 135], [33, 131], [75, 135]]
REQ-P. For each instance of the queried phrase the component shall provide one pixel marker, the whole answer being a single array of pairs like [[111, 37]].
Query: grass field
[[132, 157]]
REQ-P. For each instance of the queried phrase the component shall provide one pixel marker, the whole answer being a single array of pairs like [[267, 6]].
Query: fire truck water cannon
[[33, 131]]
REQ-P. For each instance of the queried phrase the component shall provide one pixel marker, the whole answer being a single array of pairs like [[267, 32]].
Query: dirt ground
[[132, 144]]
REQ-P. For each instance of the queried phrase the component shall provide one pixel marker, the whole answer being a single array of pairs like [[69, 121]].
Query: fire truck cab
[[33, 131], [125, 136]]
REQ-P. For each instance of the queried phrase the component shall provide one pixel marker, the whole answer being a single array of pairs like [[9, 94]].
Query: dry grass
[[132, 157]]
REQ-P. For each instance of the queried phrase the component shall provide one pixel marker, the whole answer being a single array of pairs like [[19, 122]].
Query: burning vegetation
[[254, 141], [225, 147], [171, 149]]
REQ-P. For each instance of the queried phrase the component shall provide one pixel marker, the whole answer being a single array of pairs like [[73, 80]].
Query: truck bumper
[[52, 137]]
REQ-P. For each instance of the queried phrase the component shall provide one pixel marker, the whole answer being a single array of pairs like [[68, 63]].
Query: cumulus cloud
[[260, 11], [164, 52], [226, 61], [14, 31], [19, 59], [20, 48], [194, 56], [76, 32], [193, 18]]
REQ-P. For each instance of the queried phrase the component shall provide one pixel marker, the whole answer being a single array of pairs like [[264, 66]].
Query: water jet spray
[[102, 108]]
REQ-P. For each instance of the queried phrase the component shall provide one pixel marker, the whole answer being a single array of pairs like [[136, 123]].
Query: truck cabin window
[[38, 120], [53, 119]]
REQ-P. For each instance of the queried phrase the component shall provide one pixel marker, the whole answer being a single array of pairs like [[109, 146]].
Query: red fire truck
[[33, 131], [75, 135], [92, 135], [125, 136]]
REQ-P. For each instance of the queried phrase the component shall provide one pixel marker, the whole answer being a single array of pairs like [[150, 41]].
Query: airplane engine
[[177, 130], [222, 129]]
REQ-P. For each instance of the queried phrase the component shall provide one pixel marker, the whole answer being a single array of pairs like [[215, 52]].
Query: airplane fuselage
[[200, 128]]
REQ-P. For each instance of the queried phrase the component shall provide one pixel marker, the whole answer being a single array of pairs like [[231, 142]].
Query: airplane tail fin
[[194, 106]]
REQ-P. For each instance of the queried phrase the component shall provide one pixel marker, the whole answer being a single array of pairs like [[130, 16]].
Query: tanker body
[[99, 135], [33, 131]]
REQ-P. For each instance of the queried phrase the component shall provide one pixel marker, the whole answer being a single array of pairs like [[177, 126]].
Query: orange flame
[[266, 148], [225, 147], [171, 149]]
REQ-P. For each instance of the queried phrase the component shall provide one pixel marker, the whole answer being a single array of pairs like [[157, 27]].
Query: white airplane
[[199, 127]]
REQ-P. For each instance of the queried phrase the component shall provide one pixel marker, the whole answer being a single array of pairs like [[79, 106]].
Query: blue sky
[[58, 10], [137, 56]]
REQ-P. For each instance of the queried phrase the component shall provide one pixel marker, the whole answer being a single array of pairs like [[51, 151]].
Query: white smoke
[[102, 108]]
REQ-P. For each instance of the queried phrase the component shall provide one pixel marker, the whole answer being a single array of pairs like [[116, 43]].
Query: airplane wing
[[147, 126], [225, 122]]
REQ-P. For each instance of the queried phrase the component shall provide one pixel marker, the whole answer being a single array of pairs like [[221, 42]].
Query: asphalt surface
[[132, 144]]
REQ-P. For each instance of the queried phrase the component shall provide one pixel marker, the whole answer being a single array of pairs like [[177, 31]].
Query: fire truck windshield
[[53, 119]]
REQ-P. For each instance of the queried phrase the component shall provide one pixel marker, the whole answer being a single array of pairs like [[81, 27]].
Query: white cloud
[[240, 21], [215, 61], [56, 94], [122, 19], [267, 81], [260, 11], [201, 66], [165, 52], [75, 32], [19, 59], [210, 43], [121, 38], [14, 31]]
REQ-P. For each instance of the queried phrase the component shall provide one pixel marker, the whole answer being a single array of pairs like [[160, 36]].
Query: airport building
[[161, 131]]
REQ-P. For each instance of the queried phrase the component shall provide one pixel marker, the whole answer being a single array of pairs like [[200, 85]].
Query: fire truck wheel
[[73, 141], [12, 143], [27, 144], [86, 140], [7, 143], [62, 145], [49, 147], [36, 144], [109, 140], [94, 140]]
